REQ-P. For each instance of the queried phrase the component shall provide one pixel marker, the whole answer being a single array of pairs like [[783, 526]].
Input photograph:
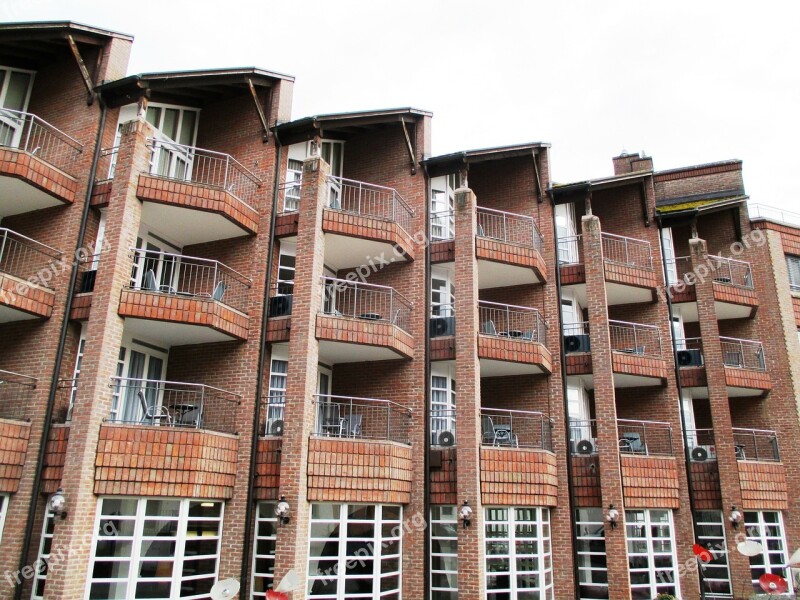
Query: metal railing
[[442, 225], [281, 298], [582, 436], [203, 167], [107, 163], [569, 250], [579, 328], [635, 338], [361, 418], [507, 227], [368, 199], [732, 272], [648, 438], [701, 438], [87, 273], [272, 415], [16, 395], [743, 354], [506, 320], [677, 268], [756, 444], [576, 337], [689, 352], [367, 301], [515, 429], [443, 427], [289, 192], [66, 393], [443, 320], [189, 277], [627, 251], [173, 404], [37, 137], [772, 213], [26, 258]]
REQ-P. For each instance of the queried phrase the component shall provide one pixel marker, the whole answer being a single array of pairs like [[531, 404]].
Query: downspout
[[686, 451], [251, 481], [426, 555], [563, 358], [62, 340]]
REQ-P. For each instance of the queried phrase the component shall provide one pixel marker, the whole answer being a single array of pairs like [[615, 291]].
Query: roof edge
[[56, 25]]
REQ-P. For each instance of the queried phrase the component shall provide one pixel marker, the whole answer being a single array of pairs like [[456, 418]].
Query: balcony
[[26, 270], [508, 247], [198, 195], [745, 367], [441, 232], [577, 348], [772, 213], [703, 468], [636, 354], [512, 340], [515, 429], [362, 418], [760, 445], [364, 221], [16, 397], [629, 273], [649, 469], [361, 322], [178, 300], [762, 476], [37, 162], [691, 362], [570, 260], [288, 205], [732, 280]]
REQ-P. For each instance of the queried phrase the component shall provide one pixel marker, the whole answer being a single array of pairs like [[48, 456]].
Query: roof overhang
[[453, 162], [565, 192], [677, 213]]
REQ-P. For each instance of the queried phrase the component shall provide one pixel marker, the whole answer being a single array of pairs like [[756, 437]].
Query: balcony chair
[[488, 328], [152, 413], [396, 317], [497, 436], [527, 336], [732, 359], [149, 283], [351, 427], [190, 418], [739, 450], [631, 443]]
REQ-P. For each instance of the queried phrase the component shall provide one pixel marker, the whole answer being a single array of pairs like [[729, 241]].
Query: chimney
[[629, 163]]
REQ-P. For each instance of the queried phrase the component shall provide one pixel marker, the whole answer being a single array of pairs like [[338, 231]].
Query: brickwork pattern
[[14, 436], [360, 331], [586, 481], [20, 295], [512, 350], [443, 480], [368, 228], [39, 174], [518, 477], [650, 482], [511, 254], [55, 454], [268, 469], [764, 486], [81, 307], [705, 484]]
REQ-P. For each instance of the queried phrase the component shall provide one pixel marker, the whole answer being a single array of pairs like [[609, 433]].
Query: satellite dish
[[290, 582], [773, 584], [794, 559], [749, 548], [227, 588], [702, 553]]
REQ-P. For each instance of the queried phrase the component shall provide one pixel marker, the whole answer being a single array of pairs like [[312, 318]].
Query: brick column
[[292, 540], [720, 407], [605, 406], [66, 578], [471, 564]]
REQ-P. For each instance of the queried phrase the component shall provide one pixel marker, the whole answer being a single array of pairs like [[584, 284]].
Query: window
[[286, 264], [793, 266], [15, 91], [264, 550], [444, 552], [443, 406], [651, 553], [174, 125], [442, 202], [154, 548], [73, 385], [671, 273], [278, 372], [136, 362], [332, 152], [43, 559], [355, 552], [766, 528], [3, 511], [711, 535], [518, 554], [591, 553], [294, 182], [443, 292]]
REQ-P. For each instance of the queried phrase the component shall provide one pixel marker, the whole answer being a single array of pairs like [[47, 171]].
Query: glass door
[[566, 233], [15, 90], [443, 406], [142, 371], [668, 244], [332, 152], [173, 153], [156, 266]]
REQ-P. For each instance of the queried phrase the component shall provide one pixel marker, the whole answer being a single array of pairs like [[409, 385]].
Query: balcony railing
[[443, 320], [761, 211], [289, 192], [704, 439], [369, 200], [443, 225], [362, 418], [635, 338], [173, 404], [506, 320], [272, 415], [647, 438], [508, 227], [515, 429], [366, 301], [689, 352], [38, 138], [677, 268], [756, 444], [443, 427], [281, 298], [26, 258], [203, 167], [16, 395], [576, 337], [582, 437], [743, 354], [732, 272], [66, 393], [627, 251], [569, 250], [189, 277], [107, 163]]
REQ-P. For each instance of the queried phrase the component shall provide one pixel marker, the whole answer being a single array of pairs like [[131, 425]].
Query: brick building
[[460, 378]]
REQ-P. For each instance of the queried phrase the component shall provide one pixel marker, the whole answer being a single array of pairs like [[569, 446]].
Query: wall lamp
[[612, 516], [57, 504], [465, 514], [282, 511], [735, 517]]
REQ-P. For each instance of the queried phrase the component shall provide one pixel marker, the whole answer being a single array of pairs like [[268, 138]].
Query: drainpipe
[[251, 481], [426, 556], [62, 340]]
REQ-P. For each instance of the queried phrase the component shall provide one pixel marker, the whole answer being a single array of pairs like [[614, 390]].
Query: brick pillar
[[72, 541], [720, 407], [605, 406], [292, 540], [471, 564]]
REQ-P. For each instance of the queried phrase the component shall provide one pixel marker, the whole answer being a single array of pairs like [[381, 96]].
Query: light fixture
[[465, 514], [735, 517], [57, 504], [612, 516], [282, 511]]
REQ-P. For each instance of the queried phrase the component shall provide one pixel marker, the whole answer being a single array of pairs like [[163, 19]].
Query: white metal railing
[[37, 137], [732, 272], [443, 320], [442, 225], [569, 250], [368, 199], [367, 301], [106, 164], [272, 415], [506, 320], [289, 193], [627, 251], [189, 276], [25, 258], [203, 167], [508, 227], [443, 426], [677, 268], [743, 354], [772, 213], [702, 438], [16, 395], [635, 338], [365, 418], [515, 428], [648, 438], [756, 444], [582, 436]]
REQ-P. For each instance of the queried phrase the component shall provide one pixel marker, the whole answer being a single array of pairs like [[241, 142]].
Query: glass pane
[[17, 91], [170, 125], [187, 128]]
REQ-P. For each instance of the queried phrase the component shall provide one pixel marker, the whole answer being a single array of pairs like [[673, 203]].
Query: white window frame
[[128, 346], [277, 386], [656, 585], [444, 527], [589, 530], [793, 269], [42, 557], [718, 546], [178, 156], [265, 515], [147, 238], [12, 122], [443, 297], [442, 203], [774, 561], [447, 422], [76, 372], [566, 228], [668, 243], [4, 499], [285, 286]]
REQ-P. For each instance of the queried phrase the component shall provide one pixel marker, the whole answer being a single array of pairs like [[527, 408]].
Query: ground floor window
[[355, 551], [155, 548], [591, 554], [651, 553], [766, 528], [264, 549], [444, 553], [716, 576], [518, 553], [43, 558], [3, 511]]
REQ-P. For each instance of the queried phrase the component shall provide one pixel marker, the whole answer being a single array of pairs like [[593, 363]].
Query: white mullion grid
[[773, 556], [344, 577], [590, 529], [265, 515], [116, 537], [46, 541], [716, 574], [140, 539], [181, 558], [3, 510], [382, 551], [447, 517], [660, 579]]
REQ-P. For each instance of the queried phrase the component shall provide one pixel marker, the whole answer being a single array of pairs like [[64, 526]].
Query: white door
[[156, 266], [677, 330], [142, 370], [668, 244], [173, 153], [443, 293], [689, 421], [442, 206], [579, 414], [566, 231], [443, 403], [15, 90]]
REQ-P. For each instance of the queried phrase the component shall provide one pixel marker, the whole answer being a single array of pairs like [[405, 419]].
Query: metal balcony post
[[28, 133]]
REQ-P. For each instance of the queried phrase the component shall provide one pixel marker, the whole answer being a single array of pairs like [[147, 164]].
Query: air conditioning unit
[[576, 343], [280, 306], [690, 358], [585, 447], [703, 453], [446, 439], [442, 326]]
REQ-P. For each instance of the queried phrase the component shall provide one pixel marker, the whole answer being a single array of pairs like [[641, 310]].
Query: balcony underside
[[742, 383], [347, 340], [629, 276], [501, 264], [28, 184], [352, 239], [343, 252], [629, 371], [497, 274], [21, 301], [14, 437], [730, 302], [723, 310], [501, 357]]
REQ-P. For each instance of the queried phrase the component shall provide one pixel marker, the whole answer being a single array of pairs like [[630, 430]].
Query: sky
[[685, 82]]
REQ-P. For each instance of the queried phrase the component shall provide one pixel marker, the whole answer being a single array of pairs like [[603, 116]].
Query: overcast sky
[[686, 82]]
